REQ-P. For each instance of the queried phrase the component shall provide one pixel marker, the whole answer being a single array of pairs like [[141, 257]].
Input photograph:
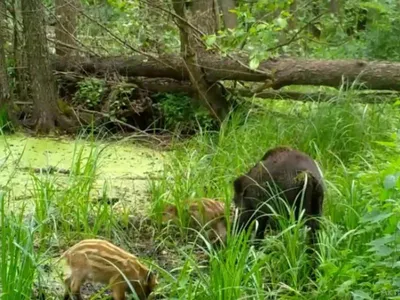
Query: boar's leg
[[118, 291], [76, 295]]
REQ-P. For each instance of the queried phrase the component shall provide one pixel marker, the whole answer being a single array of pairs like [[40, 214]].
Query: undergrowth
[[357, 148]]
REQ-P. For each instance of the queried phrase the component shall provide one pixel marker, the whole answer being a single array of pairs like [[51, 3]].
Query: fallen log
[[165, 85], [374, 75], [162, 85]]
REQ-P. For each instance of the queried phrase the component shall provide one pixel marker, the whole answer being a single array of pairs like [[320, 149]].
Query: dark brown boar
[[284, 171]]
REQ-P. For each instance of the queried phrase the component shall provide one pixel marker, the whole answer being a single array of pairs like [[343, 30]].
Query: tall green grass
[[18, 258], [65, 208], [349, 141], [357, 148], [61, 210]]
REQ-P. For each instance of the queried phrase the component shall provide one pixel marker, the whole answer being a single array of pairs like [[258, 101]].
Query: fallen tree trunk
[[165, 85], [160, 85], [375, 75]]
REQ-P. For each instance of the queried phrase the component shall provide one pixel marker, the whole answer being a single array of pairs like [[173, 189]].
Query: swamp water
[[123, 170], [123, 166]]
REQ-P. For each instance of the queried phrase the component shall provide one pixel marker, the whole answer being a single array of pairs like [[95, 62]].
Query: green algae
[[124, 166]]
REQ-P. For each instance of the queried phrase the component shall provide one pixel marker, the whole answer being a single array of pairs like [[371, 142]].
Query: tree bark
[[20, 61], [6, 95], [334, 7], [203, 15], [4, 87], [163, 85], [65, 28], [374, 75], [230, 19], [43, 87], [158, 85], [312, 27], [208, 93]]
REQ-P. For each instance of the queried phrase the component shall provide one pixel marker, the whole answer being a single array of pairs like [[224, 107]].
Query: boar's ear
[[238, 185]]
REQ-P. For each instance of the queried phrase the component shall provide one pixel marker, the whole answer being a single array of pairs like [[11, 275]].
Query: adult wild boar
[[282, 171]]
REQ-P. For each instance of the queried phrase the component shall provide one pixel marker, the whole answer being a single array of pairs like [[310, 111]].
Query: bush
[[90, 93], [179, 113]]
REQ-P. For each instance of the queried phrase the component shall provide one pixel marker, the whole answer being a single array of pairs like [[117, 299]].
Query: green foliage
[[138, 24], [18, 261], [358, 240], [71, 210], [5, 125], [180, 113], [119, 99], [90, 93], [267, 28], [383, 42], [17, 258], [357, 147]]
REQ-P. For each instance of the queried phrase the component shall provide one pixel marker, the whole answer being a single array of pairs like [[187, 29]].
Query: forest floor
[[106, 194]]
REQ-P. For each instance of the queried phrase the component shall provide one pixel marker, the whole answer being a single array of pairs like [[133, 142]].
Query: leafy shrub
[[179, 113], [90, 93], [382, 42], [119, 99]]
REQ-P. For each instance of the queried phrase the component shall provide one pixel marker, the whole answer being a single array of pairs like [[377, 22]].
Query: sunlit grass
[[342, 137], [357, 245]]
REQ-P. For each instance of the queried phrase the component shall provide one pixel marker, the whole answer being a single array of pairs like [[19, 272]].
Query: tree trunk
[[314, 11], [20, 61], [209, 93], [334, 7], [43, 87], [65, 28], [4, 87], [293, 11], [374, 75], [230, 19], [203, 16], [157, 85]]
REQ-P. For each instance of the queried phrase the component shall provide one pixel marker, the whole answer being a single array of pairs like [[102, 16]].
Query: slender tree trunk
[[43, 86], [334, 7], [203, 16], [230, 19], [4, 87], [65, 28], [20, 61], [314, 11], [210, 94], [293, 10]]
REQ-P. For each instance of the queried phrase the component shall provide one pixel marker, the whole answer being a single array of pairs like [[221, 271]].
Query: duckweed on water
[[123, 165]]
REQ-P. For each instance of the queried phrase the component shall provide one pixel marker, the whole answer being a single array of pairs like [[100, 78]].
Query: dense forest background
[[140, 65]]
